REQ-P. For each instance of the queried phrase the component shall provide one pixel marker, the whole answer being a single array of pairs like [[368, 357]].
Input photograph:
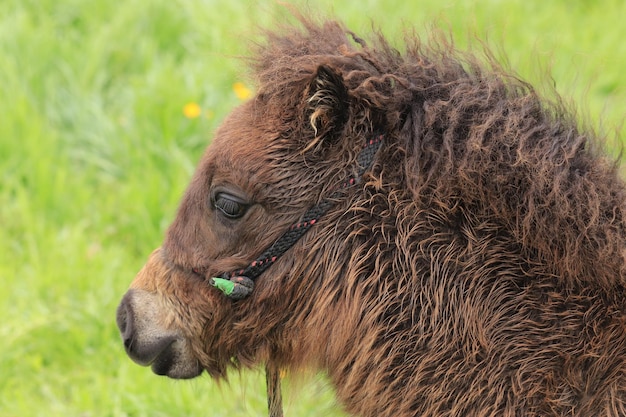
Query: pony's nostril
[[124, 320], [121, 318]]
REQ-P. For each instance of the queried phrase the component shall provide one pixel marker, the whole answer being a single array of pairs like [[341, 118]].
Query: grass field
[[107, 105]]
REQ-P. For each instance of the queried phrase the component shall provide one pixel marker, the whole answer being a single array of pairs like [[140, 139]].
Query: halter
[[238, 284]]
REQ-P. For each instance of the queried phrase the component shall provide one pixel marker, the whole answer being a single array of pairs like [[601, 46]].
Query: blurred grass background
[[105, 108]]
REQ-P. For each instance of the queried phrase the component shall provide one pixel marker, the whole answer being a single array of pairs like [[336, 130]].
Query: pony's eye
[[229, 205]]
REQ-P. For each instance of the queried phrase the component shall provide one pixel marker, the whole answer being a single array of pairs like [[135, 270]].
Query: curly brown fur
[[477, 271]]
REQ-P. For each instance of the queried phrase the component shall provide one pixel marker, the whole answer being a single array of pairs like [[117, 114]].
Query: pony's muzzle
[[149, 344]]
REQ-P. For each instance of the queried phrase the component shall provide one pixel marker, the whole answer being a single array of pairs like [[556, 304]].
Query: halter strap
[[239, 284]]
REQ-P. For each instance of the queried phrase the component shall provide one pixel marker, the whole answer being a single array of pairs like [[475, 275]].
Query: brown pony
[[471, 264]]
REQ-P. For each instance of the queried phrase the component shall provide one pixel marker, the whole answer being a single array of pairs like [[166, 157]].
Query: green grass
[[95, 152]]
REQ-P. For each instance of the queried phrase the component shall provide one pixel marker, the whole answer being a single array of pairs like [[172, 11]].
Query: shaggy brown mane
[[470, 136]]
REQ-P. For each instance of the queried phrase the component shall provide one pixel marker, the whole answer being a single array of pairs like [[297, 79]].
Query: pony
[[422, 226]]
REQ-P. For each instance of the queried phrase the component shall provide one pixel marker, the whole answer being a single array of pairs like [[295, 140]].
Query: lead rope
[[274, 395]]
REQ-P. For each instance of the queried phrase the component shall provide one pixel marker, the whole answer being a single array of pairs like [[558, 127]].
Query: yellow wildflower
[[192, 110], [241, 91]]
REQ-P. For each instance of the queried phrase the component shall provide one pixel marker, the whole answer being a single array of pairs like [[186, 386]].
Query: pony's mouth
[[171, 363]]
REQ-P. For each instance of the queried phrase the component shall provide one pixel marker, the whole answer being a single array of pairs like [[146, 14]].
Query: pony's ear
[[328, 103]]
